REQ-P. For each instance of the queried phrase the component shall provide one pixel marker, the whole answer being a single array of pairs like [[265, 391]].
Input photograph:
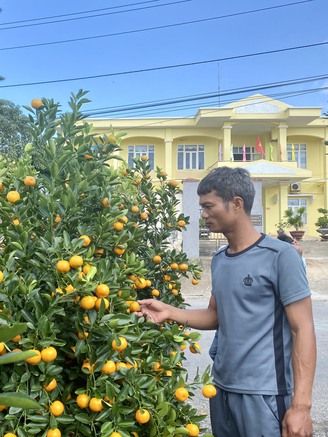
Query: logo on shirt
[[248, 281]]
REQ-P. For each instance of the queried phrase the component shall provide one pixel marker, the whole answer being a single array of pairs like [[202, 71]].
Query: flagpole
[[219, 87]]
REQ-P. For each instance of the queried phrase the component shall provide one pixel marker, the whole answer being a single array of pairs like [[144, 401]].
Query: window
[[298, 154], [138, 151], [238, 153], [191, 157], [296, 202]]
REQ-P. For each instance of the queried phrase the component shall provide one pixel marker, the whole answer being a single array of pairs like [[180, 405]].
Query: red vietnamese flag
[[259, 147]]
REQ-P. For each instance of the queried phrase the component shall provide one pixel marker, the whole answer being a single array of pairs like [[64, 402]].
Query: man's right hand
[[154, 310]]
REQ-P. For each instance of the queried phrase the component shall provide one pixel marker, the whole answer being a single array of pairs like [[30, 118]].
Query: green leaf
[[28, 317], [172, 417], [178, 338], [8, 332], [153, 432], [17, 245], [38, 418], [194, 335], [85, 430], [181, 430], [34, 431], [18, 400], [91, 273], [83, 418], [15, 357], [67, 240], [65, 418], [126, 423], [21, 432], [107, 428], [25, 377], [4, 298], [163, 409], [44, 326]]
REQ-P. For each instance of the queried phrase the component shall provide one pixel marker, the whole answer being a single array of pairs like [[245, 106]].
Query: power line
[[197, 97], [176, 108], [98, 15], [165, 67], [268, 99], [210, 103], [234, 91], [77, 13], [147, 29]]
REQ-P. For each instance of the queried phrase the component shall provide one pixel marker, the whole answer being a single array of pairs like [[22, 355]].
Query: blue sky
[[282, 27]]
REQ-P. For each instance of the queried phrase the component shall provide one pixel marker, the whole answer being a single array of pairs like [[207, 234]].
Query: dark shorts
[[239, 415]]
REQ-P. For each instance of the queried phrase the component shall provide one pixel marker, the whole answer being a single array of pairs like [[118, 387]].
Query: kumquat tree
[[82, 241]]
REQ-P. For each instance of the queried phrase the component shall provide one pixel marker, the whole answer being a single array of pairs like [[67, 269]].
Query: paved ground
[[316, 255]]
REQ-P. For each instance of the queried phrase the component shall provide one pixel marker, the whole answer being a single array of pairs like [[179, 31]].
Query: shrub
[[59, 245], [322, 222]]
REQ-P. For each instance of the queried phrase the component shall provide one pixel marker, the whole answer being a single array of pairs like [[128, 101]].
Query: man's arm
[[158, 312], [297, 421]]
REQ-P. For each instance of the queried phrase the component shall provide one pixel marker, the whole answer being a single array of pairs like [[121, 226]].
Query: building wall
[[271, 209], [274, 122]]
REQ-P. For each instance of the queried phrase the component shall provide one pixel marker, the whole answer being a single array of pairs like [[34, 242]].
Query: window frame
[[138, 150], [300, 152], [250, 153], [298, 202], [188, 159]]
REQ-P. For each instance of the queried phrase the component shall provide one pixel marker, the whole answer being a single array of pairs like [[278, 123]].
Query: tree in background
[[14, 130]]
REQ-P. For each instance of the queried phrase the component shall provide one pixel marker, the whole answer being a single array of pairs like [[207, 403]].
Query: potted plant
[[322, 223], [294, 218], [281, 226]]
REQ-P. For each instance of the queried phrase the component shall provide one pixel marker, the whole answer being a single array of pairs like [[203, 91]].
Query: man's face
[[217, 214]]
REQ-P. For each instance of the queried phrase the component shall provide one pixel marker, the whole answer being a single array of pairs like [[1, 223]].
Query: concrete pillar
[[257, 210], [283, 201], [282, 142], [226, 152], [168, 156], [190, 208]]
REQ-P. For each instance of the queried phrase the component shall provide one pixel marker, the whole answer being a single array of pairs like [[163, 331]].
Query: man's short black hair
[[227, 183], [285, 237]]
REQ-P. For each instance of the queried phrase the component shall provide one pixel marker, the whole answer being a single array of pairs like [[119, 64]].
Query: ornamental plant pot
[[294, 218], [322, 223], [323, 233], [297, 235]]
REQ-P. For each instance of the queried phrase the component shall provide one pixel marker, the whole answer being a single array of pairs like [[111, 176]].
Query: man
[[261, 305], [282, 237]]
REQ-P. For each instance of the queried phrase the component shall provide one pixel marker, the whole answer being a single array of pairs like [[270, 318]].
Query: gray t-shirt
[[251, 289]]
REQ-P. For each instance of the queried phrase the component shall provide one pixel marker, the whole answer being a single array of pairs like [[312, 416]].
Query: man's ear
[[238, 203]]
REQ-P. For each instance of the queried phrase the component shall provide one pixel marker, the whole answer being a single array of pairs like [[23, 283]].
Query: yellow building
[[290, 170]]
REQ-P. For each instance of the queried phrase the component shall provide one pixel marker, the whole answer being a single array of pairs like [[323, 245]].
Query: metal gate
[[208, 244]]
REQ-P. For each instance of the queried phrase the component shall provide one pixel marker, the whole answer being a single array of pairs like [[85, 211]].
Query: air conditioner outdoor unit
[[295, 186]]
